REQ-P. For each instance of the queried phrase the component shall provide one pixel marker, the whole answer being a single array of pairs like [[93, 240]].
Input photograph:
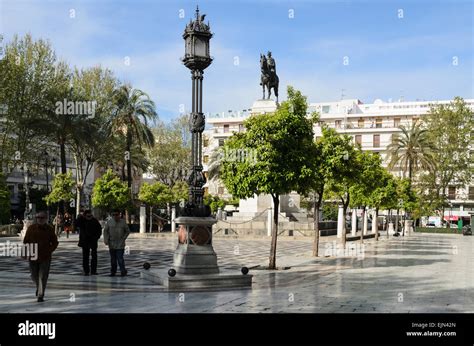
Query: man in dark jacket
[[42, 236], [89, 234]]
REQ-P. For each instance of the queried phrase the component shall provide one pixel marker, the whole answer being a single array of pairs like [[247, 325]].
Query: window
[[471, 193], [378, 123], [452, 192], [221, 142], [241, 128], [205, 159], [205, 142], [360, 123], [396, 122], [326, 109], [226, 128], [338, 124], [376, 141], [358, 139], [220, 190]]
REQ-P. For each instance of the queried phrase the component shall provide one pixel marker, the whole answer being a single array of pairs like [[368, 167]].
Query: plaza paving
[[431, 273]]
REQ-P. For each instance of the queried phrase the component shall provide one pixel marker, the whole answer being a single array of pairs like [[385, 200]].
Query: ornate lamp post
[[197, 36], [194, 261], [195, 254], [28, 215]]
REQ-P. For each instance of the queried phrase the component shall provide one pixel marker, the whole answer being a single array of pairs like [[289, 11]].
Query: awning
[[451, 218]]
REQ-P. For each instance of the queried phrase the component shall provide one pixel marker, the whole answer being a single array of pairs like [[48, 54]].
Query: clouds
[[387, 56]]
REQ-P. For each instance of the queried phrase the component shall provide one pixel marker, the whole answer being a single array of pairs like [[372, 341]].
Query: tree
[[343, 171], [215, 202], [362, 192], [133, 110], [281, 142], [450, 129], [383, 195], [412, 149], [28, 76], [4, 201], [169, 158], [180, 192], [91, 135], [155, 195], [62, 191], [110, 192]]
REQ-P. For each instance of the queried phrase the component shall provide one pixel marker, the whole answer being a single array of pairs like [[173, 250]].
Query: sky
[[364, 49]]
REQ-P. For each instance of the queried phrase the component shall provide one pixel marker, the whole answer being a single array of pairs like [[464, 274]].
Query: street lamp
[[197, 36], [27, 177]]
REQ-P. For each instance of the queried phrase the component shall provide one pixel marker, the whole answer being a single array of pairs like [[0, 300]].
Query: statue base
[[264, 106], [195, 261]]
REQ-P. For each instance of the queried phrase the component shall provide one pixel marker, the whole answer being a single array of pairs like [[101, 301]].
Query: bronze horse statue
[[268, 79]]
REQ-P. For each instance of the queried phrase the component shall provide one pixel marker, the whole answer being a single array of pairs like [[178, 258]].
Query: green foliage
[[330, 211], [63, 186], [169, 158], [215, 202], [155, 195], [180, 192], [28, 78], [376, 186], [110, 192], [450, 129], [285, 134], [4, 201], [411, 150], [343, 164]]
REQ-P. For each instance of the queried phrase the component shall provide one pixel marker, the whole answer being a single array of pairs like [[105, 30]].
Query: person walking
[[115, 233], [42, 236], [89, 235], [67, 223], [58, 223]]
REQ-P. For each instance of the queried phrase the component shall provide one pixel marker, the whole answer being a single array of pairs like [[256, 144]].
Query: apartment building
[[373, 126]]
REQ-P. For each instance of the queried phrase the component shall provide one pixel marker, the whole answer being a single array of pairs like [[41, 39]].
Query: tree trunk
[[62, 148], [276, 204], [317, 204], [78, 198], [363, 224], [344, 206], [376, 227], [151, 219]]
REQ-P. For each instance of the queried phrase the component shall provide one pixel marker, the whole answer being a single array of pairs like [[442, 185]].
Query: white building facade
[[370, 125]]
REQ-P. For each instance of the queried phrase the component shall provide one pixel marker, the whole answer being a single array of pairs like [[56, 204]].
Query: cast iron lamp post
[[197, 36]]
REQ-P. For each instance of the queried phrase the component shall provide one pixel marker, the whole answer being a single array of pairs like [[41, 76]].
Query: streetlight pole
[[46, 163], [27, 215]]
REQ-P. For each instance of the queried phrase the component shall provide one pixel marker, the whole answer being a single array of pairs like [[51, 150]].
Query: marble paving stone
[[422, 267]]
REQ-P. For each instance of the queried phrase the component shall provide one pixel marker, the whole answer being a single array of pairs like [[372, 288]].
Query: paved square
[[431, 273]]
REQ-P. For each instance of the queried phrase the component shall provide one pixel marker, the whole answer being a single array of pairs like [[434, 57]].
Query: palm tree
[[133, 111], [411, 149]]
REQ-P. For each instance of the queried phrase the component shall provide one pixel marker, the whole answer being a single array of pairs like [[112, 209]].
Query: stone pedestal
[[408, 227], [142, 219], [173, 219], [264, 106], [195, 261], [391, 229], [340, 222], [354, 222], [195, 254]]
